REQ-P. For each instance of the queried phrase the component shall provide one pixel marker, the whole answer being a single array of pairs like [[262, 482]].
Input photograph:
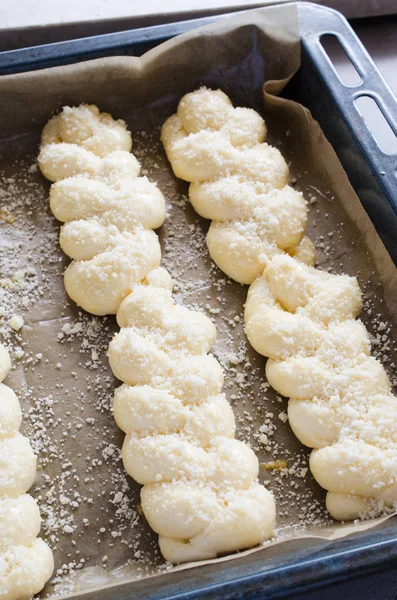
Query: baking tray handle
[[315, 24]]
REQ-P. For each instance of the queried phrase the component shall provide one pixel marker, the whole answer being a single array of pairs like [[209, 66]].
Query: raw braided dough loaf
[[201, 492], [109, 212], [341, 404], [238, 181], [26, 562], [301, 318]]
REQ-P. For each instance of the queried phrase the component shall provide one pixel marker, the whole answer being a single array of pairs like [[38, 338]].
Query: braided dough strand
[[26, 562], [201, 493], [238, 181], [108, 210], [303, 319], [340, 397]]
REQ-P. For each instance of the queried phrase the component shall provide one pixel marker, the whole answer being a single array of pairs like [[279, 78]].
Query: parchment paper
[[90, 507]]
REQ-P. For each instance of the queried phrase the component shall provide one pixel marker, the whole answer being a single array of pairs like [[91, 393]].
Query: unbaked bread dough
[[341, 403], [302, 318], [108, 210], [26, 563], [238, 181], [201, 493]]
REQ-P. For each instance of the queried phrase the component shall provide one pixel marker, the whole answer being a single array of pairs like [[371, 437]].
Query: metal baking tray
[[297, 567]]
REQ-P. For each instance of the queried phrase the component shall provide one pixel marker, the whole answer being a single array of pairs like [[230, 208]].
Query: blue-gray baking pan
[[373, 174]]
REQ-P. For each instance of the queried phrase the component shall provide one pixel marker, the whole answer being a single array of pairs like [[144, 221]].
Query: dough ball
[[245, 127], [204, 109], [245, 519], [19, 521], [144, 409], [78, 198], [24, 570], [99, 285], [172, 132], [116, 167], [264, 164], [225, 199], [304, 252], [159, 278], [84, 239], [59, 161], [354, 467], [169, 457], [239, 250], [85, 126], [210, 419], [172, 326], [137, 361], [5, 362], [196, 377], [278, 334], [17, 465], [179, 509], [202, 156], [347, 507], [314, 422], [10, 411]]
